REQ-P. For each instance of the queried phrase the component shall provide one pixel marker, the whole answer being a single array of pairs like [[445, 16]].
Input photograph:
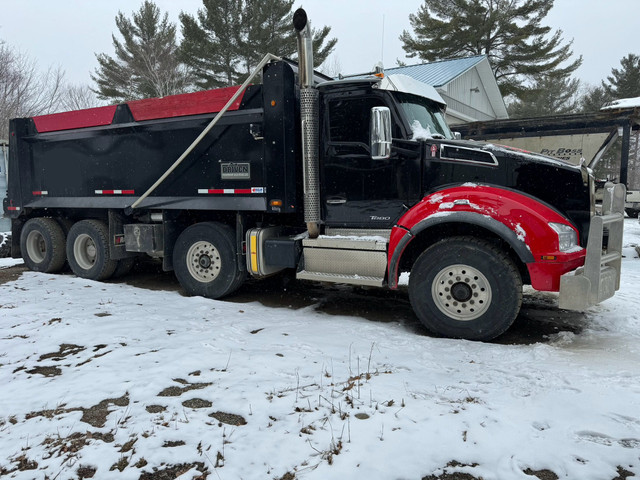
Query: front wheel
[[205, 260], [464, 287], [632, 212]]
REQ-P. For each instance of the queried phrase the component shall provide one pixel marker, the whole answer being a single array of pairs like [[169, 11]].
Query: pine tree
[[549, 95], [211, 43], [146, 63], [625, 81], [593, 99], [509, 32], [225, 41]]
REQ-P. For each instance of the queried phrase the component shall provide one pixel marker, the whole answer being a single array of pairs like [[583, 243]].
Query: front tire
[[88, 250], [205, 260], [465, 287], [632, 212], [42, 243]]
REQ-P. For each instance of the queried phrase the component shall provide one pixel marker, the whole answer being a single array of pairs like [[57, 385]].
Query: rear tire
[[88, 250], [42, 242], [205, 260], [632, 212], [464, 287]]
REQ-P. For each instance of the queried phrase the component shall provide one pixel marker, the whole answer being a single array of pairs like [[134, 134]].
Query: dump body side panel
[[109, 156]]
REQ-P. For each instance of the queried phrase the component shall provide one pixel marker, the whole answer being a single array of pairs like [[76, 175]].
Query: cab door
[[357, 191]]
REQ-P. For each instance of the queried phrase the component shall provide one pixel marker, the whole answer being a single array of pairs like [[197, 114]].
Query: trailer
[[347, 181]]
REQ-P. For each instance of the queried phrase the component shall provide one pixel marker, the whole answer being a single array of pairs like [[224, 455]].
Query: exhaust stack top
[[305, 47], [309, 116]]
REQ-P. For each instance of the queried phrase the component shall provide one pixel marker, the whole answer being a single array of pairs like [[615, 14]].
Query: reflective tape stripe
[[115, 192], [232, 191], [40, 192]]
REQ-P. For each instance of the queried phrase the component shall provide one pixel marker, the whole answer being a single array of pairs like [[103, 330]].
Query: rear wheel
[[464, 287], [205, 260], [88, 250], [42, 243]]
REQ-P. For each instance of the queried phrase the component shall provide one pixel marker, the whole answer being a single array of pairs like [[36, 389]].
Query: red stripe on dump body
[[196, 103], [91, 117]]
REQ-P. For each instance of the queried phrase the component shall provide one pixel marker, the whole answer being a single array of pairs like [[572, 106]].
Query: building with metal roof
[[468, 85]]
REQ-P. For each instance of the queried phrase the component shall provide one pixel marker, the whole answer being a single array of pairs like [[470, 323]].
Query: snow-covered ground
[[112, 381]]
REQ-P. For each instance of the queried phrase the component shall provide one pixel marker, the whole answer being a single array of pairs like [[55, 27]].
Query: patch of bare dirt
[[85, 471], [96, 416], [447, 475], [228, 418], [10, 274], [65, 350], [155, 408], [197, 403], [170, 472], [177, 391], [47, 371]]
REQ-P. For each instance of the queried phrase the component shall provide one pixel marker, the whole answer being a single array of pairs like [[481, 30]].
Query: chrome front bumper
[[599, 278]]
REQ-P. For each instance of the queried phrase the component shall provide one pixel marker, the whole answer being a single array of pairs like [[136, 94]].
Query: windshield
[[425, 116]]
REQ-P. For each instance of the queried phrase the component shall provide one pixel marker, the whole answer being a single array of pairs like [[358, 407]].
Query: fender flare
[[469, 218]]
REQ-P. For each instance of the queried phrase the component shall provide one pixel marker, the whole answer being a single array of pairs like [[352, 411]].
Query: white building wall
[[469, 90]]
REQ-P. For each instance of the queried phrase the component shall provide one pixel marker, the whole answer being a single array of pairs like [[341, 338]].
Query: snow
[[622, 103], [419, 132], [323, 396]]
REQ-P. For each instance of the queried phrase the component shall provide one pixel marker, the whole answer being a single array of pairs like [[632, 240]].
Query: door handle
[[336, 201]]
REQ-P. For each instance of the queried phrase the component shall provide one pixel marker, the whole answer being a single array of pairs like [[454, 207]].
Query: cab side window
[[349, 119]]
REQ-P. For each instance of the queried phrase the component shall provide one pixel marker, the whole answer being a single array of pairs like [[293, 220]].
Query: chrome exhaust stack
[[309, 115]]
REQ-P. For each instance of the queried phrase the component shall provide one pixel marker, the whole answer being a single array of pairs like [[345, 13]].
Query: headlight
[[567, 236]]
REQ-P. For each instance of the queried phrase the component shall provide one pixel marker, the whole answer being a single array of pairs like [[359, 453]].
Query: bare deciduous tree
[[25, 91], [78, 97]]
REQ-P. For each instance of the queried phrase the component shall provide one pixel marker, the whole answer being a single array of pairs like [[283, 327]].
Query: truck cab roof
[[396, 82]]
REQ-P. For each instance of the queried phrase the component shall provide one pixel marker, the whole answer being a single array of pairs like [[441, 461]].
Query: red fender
[[519, 219]]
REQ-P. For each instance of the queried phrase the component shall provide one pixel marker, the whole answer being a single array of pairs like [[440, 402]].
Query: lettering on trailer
[[562, 153], [235, 171]]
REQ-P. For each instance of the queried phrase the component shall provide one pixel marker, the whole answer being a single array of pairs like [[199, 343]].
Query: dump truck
[[355, 181]]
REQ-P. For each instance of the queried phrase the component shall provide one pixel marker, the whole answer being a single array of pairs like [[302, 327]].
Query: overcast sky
[[70, 32]]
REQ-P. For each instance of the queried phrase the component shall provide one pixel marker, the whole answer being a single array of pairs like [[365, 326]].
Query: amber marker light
[[275, 203]]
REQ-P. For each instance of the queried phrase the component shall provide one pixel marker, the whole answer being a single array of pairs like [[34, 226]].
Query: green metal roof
[[438, 73]]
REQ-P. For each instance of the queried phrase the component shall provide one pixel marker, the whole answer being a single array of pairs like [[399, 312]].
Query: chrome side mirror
[[380, 133]]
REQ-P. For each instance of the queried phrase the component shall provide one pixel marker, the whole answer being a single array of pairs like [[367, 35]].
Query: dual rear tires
[[45, 248], [88, 250], [205, 257]]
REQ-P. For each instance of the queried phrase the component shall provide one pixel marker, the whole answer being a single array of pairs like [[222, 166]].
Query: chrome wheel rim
[[85, 251], [36, 246], [461, 292], [203, 261]]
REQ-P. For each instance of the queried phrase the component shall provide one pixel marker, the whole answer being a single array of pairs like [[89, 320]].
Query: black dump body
[[246, 160]]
